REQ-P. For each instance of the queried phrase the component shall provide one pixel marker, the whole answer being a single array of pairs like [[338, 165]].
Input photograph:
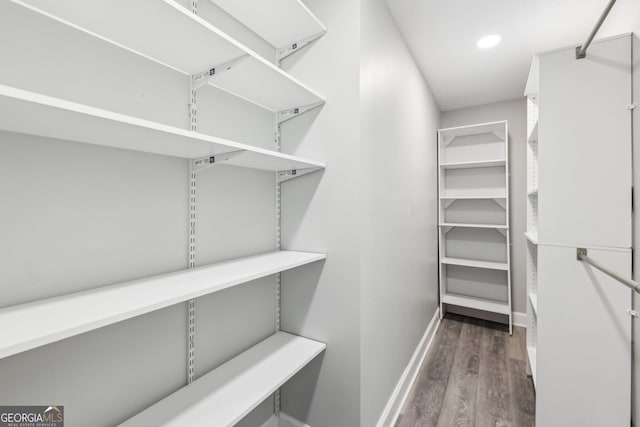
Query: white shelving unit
[[474, 220], [208, 56], [228, 393], [531, 92]]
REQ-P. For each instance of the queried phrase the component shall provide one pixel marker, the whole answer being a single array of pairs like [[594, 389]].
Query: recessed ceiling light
[[489, 41]]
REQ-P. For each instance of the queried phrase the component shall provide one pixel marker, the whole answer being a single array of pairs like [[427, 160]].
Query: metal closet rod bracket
[[204, 163], [581, 255], [203, 77], [581, 51]]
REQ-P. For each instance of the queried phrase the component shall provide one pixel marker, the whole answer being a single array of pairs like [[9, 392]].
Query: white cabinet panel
[[583, 340], [585, 149]]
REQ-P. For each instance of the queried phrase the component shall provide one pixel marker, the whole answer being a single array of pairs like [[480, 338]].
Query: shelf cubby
[[480, 244], [489, 212]]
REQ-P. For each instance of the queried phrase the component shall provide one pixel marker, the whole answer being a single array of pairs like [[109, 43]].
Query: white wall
[[516, 112], [398, 183]]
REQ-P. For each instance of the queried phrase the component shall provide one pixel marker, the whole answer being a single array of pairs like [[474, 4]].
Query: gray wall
[[516, 112], [320, 213], [398, 181]]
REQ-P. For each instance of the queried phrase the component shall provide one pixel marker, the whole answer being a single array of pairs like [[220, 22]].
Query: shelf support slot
[[285, 115], [204, 77], [204, 163], [290, 49]]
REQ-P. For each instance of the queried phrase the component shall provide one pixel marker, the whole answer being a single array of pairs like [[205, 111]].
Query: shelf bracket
[[295, 173], [289, 49], [501, 202], [448, 203], [205, 163], [204, 77], [289, 114]]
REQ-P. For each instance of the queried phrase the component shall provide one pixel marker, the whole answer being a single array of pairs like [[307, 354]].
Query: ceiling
[[442, 36]]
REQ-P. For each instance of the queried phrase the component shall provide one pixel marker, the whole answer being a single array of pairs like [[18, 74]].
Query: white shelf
[[471, 197], [532, 237], [35, 114], [228, 393], [46, 321], [533, 298], [175, 37], [491, 226], [497, 128], [266, 19], [476, 303], [533, 193], [477, 264], [478, 164], [531, 355]]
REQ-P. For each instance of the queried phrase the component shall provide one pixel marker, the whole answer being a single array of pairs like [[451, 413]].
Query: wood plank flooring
[[473, 375]]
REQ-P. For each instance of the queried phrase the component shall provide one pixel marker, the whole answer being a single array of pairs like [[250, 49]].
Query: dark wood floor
[[473, 375]]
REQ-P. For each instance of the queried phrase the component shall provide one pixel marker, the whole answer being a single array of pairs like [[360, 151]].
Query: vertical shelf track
[[191, 304], [278, 244]]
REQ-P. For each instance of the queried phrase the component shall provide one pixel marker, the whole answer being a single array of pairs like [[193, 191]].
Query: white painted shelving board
[[35, 114], [179, 39], [228, 393], [279, 22], [496, 128], [478, 164], [49, 320], [476, 303], [476, 264], [466, 225], [475, 197]]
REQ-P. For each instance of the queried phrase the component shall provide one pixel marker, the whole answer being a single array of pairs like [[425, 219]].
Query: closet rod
[[582, 256], [581, 51]]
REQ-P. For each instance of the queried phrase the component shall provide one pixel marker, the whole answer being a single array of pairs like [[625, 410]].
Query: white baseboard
[[519, 319], [284, 420], [401, 392]]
